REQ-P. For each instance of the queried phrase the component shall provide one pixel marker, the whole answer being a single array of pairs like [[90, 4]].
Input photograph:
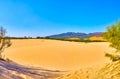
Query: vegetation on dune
[[113, 36], [4, 41]]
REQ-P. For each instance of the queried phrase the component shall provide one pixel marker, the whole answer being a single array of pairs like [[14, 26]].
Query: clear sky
[[47, 17]]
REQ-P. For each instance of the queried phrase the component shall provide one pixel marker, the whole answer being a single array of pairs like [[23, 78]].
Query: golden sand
[[54, 54], [73, 38], [97, 38]]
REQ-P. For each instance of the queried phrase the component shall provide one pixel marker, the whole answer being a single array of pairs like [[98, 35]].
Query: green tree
[[113, 36], [4, 41]]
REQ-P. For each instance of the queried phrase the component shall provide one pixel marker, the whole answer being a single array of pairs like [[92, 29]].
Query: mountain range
[[78, 35]]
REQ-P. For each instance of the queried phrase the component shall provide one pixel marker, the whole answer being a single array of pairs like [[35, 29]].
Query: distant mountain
[[78, 35], [98, 34]]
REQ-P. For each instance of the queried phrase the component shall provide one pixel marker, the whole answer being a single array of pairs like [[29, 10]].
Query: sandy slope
[[107, 71], [53, 54], [11, 70]]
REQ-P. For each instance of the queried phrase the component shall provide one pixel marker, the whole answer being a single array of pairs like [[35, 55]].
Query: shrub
[[113, 36], [4, 41]]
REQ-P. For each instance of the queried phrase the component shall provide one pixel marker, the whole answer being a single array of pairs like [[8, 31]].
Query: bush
[[113, 36], [4, 41]]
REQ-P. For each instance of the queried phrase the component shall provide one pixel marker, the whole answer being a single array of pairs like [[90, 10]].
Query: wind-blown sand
[[54, 54]]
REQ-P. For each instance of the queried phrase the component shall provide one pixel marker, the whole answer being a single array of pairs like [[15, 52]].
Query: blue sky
[[47, 17]]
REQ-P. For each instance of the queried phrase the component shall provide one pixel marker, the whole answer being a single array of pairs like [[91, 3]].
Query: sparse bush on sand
[[113, 36], [4, 41]]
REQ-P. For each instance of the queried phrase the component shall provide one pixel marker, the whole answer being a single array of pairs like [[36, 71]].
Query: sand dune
[[54, 54]]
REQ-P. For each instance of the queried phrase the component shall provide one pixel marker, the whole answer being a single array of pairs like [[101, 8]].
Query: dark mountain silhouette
[[78, 35]]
